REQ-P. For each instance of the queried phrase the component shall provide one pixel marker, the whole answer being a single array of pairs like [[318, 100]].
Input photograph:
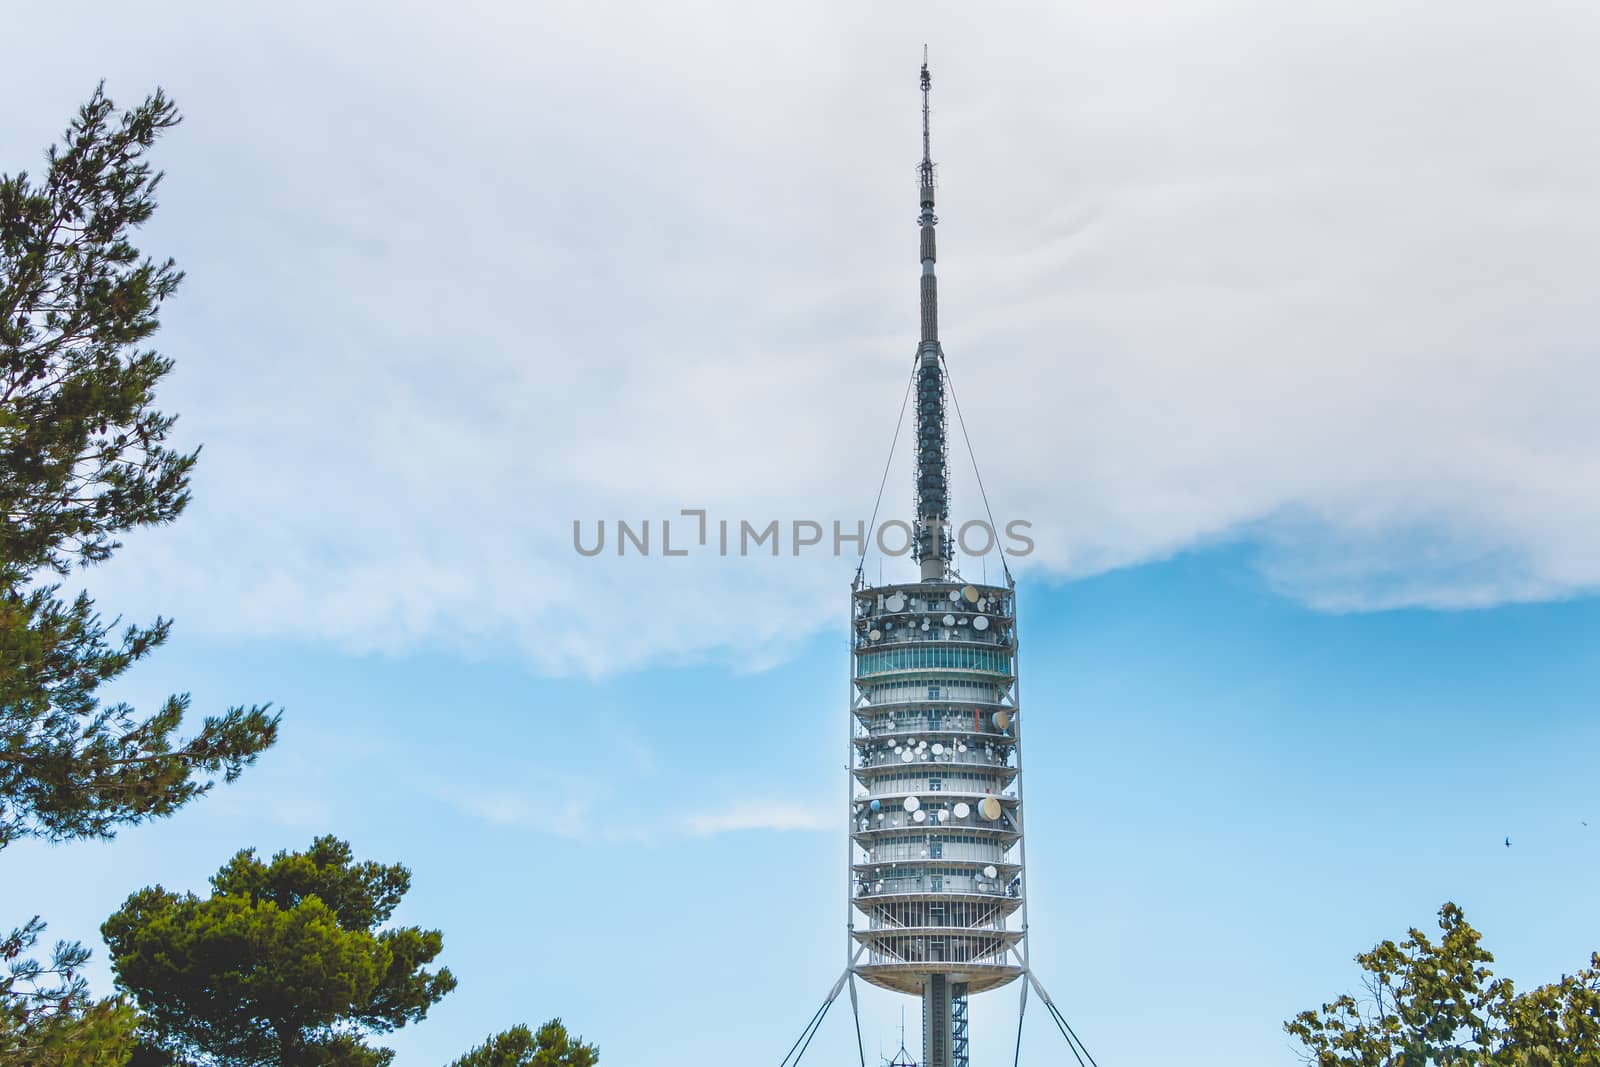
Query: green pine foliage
[[84, 458], [287, 963], [1437, 1004], [47, 1018], [549, 1046]]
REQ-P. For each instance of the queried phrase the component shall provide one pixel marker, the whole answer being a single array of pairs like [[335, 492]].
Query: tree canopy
[[285, 963], [1437, 1004], [549, 1046], [84, 457]]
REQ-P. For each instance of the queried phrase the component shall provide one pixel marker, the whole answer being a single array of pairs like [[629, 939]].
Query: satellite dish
[[949, 620], [912, 804], [938, 750], [875, 805], [962, 620], [983, 605], [888, 626], [919, 816], [897, 748], [954, 596], [990, 872], [875, 634], [961, 748], [1002, 719], [981, 622], [962, 810], [905, 757], [971, 593], [924, 624], [895, 602], [989, 808]]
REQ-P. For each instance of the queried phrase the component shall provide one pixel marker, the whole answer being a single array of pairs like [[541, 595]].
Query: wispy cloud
[[758, 817], [1201, 267], [565, 814]]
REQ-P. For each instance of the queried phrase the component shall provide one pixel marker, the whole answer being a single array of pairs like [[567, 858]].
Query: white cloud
[[1319, 278]]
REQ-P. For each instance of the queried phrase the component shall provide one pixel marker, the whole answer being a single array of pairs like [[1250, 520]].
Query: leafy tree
[[1439, 1004], [46, 1016], [84, 458], [550, 1046], [284, 964]]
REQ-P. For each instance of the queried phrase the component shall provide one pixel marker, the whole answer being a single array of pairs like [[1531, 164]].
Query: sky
[[1276, 325]]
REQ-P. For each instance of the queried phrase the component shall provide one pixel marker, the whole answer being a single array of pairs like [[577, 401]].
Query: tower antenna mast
[[932, 545]]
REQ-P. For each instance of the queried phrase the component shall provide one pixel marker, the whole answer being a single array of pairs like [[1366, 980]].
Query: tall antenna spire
[[933, 542]]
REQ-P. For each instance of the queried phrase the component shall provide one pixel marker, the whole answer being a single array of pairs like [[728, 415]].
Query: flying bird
[[1508, 842]]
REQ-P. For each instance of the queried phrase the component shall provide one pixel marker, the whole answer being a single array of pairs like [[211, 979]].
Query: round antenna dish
[[990, 872], [875, 805], [954, 596], [989, 808], [938, 750], [983, 604], [919, 816], [962, 810], [981, 622], [895, 602], [875, 634], [912, 804], [924, 624], [905, 757], [971, 593], [1002, 719], [949, 620]]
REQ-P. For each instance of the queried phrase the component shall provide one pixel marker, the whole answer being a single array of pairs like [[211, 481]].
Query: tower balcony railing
[[942, 948], [915, 846], [935, 659], [938, 885], [867, 825], [891, 760], [997, 635], [965, 718]]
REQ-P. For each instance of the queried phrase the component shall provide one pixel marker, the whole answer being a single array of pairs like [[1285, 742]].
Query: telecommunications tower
[[937, 893], [936, 808]]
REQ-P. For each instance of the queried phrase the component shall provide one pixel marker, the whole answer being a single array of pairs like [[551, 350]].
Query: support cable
[[973, 457], [814, 1030], [816, 1019], [872, 524], [803, 1042], [855, 1009], [1074, 1042], [1022, 1009]]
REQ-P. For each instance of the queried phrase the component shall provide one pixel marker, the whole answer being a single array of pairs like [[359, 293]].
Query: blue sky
[[1230, 795], [1278, 326]]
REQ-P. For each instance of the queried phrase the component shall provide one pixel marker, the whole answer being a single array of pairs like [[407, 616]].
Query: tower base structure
[[944, 1022]]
